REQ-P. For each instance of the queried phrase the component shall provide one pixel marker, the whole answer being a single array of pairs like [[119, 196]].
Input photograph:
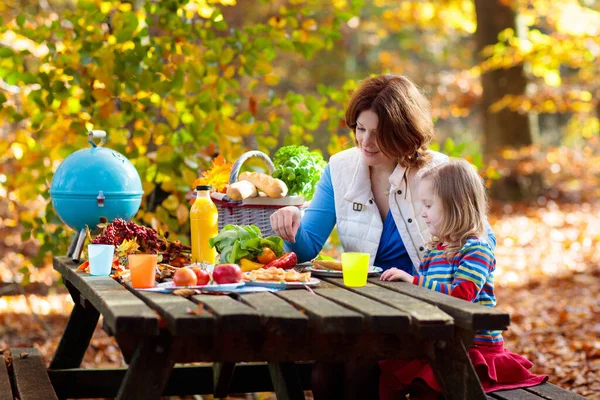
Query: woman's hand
[[285, 222], [395, 274]]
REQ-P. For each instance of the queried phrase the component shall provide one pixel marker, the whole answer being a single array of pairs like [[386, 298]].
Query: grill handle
[[96, 134]]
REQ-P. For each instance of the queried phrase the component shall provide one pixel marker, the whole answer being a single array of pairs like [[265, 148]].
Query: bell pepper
[[248, 265], [286, 261], [266, 256]]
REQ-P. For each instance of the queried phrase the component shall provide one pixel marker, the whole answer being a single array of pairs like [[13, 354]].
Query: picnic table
[[260, 341]]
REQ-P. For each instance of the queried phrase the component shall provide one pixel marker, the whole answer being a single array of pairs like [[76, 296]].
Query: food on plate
[[241, 190], [286, 261], [266, 256], [227, 273], [248, 265], [185, 277], [328, 264], [272, 187], [202, 275], [273, 274], [235, 242]]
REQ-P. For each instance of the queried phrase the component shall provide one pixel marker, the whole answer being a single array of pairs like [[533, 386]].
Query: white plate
[[332, 273], [283, 285], [169, 287]]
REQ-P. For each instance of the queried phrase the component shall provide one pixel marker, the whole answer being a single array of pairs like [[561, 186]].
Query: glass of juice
[[355, 268], [143, 270]]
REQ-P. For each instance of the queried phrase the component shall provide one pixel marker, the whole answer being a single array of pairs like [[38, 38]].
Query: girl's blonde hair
[[464, 204]]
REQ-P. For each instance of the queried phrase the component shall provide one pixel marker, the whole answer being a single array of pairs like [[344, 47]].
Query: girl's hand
[[285, 222], [395, 274]]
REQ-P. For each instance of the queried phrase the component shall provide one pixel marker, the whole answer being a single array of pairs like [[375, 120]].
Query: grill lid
[[87, 172]]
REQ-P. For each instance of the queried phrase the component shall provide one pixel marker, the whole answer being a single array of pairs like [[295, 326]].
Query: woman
[[370, 192]]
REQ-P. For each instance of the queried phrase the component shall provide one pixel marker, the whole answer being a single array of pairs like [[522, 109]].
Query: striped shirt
[[469, 275]]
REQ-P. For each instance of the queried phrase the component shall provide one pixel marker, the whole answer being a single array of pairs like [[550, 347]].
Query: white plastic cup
[[101, 258]]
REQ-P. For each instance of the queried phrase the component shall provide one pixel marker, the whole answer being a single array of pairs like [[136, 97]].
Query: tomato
[[267, 256], [227, 273], [185, 277], [202, 275]]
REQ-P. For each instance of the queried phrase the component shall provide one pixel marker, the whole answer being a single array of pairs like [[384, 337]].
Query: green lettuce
[[235, 242], [299, 168]]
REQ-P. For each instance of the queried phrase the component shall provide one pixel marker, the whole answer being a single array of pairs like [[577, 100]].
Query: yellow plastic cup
[[355, 268], [143, 270]]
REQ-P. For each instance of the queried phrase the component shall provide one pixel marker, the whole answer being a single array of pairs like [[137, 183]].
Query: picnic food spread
[[233, 254]]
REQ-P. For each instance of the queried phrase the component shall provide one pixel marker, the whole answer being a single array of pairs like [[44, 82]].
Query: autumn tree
[[505, 127], [167, 80]]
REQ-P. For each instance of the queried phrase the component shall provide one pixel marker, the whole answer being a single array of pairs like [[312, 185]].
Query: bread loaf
[[241, 190], [327, 264], [272, 187]]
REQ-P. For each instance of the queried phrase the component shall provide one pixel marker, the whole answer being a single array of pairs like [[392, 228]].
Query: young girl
[[459, 262]]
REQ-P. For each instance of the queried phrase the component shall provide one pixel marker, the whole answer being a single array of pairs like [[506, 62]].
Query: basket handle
[[237, 165]]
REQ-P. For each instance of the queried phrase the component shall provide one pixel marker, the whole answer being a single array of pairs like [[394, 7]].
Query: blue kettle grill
[[91, 184]]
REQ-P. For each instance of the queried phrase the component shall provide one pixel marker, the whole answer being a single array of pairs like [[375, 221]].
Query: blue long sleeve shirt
[[318, 222]]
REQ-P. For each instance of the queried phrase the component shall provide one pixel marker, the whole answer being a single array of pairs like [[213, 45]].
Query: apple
[[202, 275], [227, 273]]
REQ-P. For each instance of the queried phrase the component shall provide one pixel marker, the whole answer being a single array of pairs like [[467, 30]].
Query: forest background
[[514, 86]]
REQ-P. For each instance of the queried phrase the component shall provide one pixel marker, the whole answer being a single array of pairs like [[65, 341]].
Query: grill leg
[[74, 239], [79, 246]]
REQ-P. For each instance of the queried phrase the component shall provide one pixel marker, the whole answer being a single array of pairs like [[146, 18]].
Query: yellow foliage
[[271, 79], [127, 247], [182, 213], [218, 174]]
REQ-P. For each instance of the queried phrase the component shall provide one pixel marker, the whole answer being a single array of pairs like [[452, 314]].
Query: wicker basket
[[238, 213]]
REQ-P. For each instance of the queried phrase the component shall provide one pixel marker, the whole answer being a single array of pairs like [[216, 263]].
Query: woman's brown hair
[[462, 194], [405, 126]]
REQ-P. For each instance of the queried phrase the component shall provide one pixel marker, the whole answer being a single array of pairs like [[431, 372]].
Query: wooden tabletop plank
[[550, 391], [5, 390], [275, 313], [380, 317], [179, 313], [231, 315], [427, 321], [515, 394], [31, 378], [324, 315], [466, 315], [122, 311]]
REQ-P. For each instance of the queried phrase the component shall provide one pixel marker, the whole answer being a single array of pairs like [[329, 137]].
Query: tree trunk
[[504, 128]]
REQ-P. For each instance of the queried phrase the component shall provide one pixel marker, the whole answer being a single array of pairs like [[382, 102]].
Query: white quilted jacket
[[358, 221]]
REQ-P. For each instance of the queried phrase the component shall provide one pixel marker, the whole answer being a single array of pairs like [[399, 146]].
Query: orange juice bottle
[[204, 220]]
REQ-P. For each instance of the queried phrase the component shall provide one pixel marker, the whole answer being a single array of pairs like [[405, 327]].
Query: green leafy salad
[[299, 168], [235, 242]]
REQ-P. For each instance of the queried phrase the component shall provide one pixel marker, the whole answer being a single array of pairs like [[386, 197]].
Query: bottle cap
[[203, 187]]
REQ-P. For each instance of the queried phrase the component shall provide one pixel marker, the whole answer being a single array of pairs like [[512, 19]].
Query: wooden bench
[[545, 391], [468, 318], [25, 378]]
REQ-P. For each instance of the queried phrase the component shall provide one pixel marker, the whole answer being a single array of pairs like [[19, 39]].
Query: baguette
[[327, 264], [241, 190], [272, 187]]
